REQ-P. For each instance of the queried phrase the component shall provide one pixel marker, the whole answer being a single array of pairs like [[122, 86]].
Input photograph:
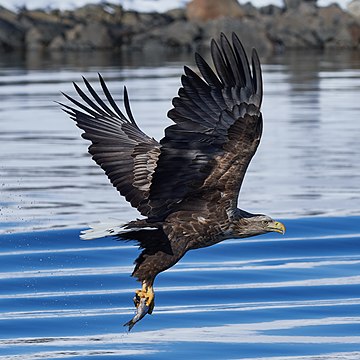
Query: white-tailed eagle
[[186, 186]]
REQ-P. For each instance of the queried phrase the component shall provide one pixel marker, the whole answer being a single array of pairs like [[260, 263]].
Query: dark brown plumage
[[187, 185]]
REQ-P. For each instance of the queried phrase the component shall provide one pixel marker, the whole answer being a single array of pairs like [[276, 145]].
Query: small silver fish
[[141, 310]]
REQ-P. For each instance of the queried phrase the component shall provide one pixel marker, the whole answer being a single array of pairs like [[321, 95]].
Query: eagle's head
[[256, 225]]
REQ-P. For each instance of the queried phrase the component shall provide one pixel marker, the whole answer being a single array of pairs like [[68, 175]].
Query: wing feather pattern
[[126, 154], [218, 125], [203, 156]]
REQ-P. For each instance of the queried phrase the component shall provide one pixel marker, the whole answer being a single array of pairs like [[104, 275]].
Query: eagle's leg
[[147, 293], [148, 265]]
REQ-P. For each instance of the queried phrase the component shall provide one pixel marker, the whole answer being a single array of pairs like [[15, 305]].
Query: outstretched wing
[[218, 125], [126, 154]]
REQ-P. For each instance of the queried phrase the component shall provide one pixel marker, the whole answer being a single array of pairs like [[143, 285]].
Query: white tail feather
[[108, 229], [101, 230]]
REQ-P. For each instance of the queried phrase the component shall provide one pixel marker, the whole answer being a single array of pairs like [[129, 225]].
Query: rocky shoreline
[[299, 24]]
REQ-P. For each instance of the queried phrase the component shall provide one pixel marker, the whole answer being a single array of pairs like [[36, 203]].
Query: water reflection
[[305, 165], [84, 60]]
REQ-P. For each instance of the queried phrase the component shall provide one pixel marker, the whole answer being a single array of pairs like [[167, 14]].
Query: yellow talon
[[150, 300], [146, 292]]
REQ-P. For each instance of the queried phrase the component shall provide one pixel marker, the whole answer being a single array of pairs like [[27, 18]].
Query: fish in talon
[[144, 303], [141, 310]]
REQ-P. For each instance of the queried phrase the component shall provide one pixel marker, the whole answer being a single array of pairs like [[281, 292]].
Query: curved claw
[[144, 303]]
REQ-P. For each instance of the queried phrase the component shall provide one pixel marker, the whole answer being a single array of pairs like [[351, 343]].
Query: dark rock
[[152, 20], [337, 28], [105, 26], [176, 14], [296, 28], [58, 43], [179, 34], [87, 37], [12, 33], [271, 10], [41, 28], [354, 30], [295, 4], [310, 27], [103, 12], [34, 39], [251, 31], [250, 10], [131, 19]]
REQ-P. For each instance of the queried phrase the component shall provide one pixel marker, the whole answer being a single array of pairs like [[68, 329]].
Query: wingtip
[[257, 74], [58, 102], [67, 96], [215, 50], [86, 82], [76, 86], [234, 37], [128, 108], [197, 56], [62, 106], [213, 44], [255, 54], [101, 78], [198, 60]]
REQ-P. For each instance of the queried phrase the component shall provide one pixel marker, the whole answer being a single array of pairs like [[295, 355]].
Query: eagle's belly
[[210, 239]]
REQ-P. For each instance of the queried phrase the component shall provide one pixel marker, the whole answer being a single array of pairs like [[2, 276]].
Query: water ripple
[[295, 297]]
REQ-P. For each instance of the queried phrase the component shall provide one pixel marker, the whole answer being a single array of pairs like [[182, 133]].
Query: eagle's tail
[[131, 230], [102, 230]]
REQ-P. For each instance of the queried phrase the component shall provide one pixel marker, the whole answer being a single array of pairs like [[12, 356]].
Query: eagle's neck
[[242, 214]]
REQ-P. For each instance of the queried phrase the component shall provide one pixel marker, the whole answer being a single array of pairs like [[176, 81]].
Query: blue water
[[292, 297], [266, 297]]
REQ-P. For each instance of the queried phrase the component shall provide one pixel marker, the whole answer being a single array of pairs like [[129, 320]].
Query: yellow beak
[[277, 226]]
